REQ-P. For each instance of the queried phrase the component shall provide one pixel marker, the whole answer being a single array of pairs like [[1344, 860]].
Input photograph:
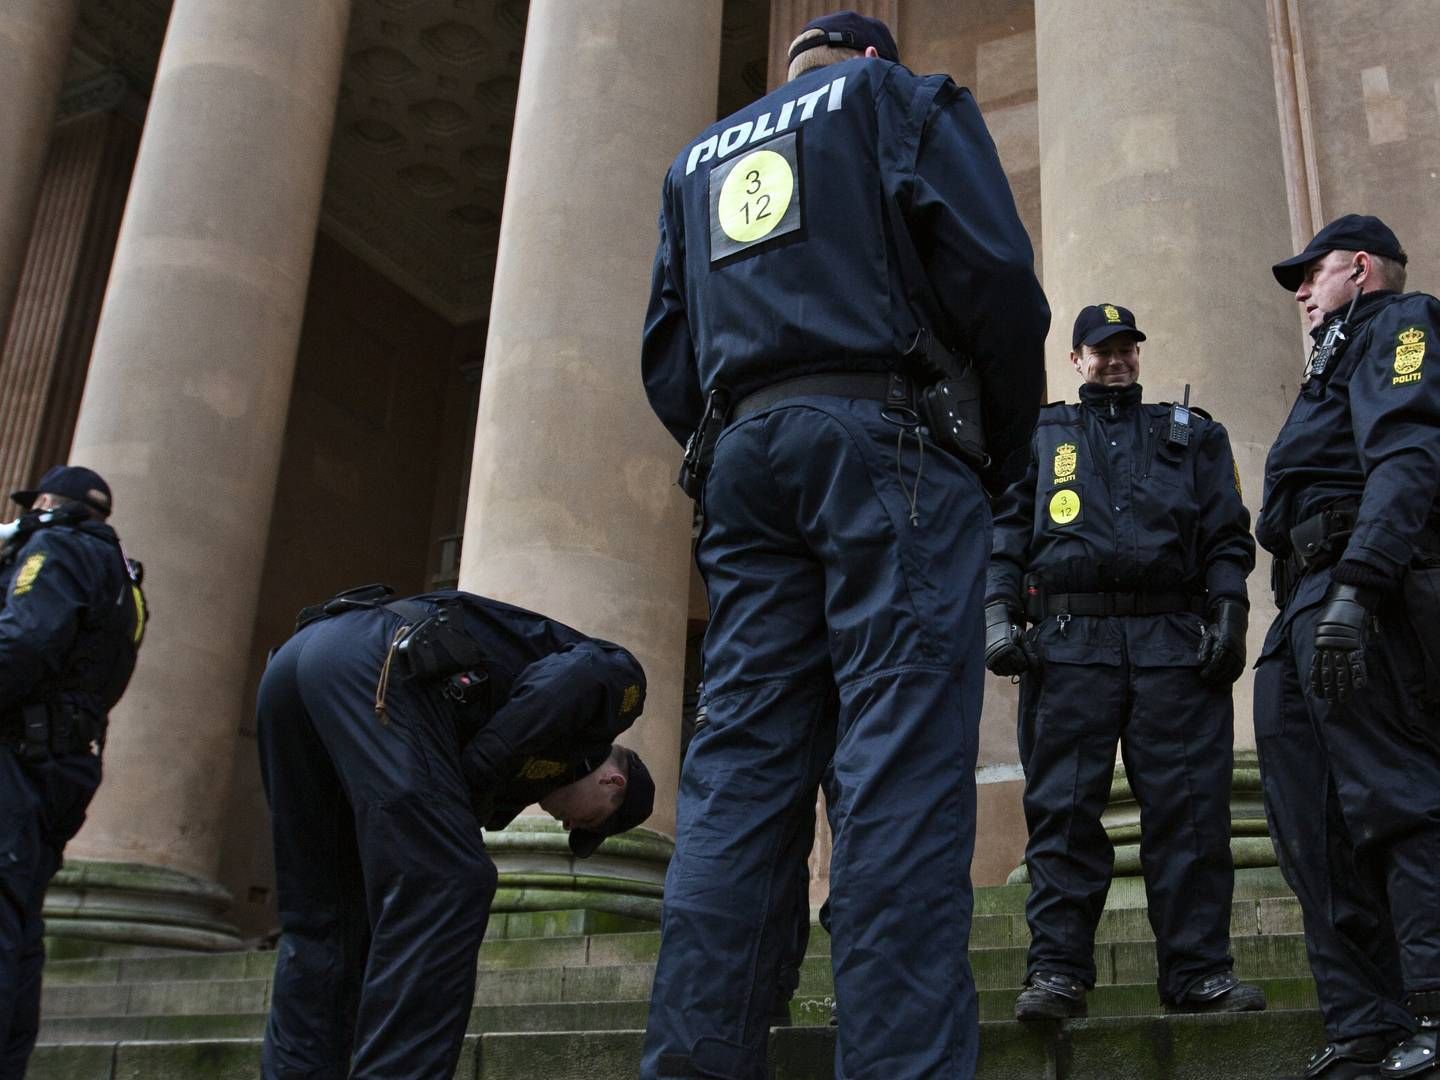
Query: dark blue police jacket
[[1365, 433], [558, 699], [777, 258], [1108, 504], [71, 620]]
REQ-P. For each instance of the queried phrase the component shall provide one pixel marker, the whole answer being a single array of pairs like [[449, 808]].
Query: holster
[[700, 447], [950, 403], [437, 647], [1421, 592]]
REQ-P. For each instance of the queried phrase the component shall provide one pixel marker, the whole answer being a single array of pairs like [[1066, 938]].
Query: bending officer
[[390, 732]]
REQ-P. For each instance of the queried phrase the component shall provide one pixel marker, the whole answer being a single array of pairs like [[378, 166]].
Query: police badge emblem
[[1065, 463]]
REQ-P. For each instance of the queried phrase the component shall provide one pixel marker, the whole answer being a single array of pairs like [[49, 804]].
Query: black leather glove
[[1222, 645], [1338, 667], [1006, 650]]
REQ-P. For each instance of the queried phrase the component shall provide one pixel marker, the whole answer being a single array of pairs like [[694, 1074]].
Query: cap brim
[[1291, 272], [25, 498], [1105, 333]]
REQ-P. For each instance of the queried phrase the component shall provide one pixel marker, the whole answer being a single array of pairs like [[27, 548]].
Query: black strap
[[1122, 603], [872, 385]]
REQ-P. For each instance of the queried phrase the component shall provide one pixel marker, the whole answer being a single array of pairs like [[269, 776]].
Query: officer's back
[[830, 236]]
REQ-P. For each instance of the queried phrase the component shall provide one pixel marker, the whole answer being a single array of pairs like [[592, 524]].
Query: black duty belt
[[1104, 603], [871, 385], [1315, 543]]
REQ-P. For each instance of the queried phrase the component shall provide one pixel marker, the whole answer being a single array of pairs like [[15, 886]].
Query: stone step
[[1135, 1000], [1280, 956], [1250, 917], [1249, 1047], [533, 1016]]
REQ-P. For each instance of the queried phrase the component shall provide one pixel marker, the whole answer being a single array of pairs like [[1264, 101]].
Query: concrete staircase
[[556, 1008]]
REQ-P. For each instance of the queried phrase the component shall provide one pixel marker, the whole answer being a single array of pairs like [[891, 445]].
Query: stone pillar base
[[1250, 844], [104, 908], [544, 889]]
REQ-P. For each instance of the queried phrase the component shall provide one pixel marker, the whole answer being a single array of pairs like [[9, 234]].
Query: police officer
[[1126, 545], [390, 731], [816, 249], [71, 622], [1347, 689]]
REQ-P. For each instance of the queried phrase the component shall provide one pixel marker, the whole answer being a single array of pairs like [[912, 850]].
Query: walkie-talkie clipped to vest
[[1179, 433]]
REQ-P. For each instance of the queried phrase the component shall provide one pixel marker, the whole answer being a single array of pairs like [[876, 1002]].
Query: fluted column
[[1163, 189], [185, 404], [34, 46], [573, 509], [47, 348]]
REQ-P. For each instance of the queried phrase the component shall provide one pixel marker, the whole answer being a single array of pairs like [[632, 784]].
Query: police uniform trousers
[[383, 881], [1352, 795], [42, 805], [841, 636], [1175, 735]]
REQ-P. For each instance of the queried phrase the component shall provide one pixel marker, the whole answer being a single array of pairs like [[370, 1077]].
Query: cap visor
[[25, 498], [1105, 333], [1292, 271]]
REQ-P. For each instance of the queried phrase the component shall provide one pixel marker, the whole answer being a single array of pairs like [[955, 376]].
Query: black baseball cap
[[1353, 232], [1100, 321], [73, 482], [639, 801], [849, 30]]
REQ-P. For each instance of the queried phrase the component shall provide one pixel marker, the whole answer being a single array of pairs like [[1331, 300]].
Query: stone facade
[[380, 279]]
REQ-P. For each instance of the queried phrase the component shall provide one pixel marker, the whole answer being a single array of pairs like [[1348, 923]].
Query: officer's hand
[[1338, 667], [1006, 650], [1222, 645]]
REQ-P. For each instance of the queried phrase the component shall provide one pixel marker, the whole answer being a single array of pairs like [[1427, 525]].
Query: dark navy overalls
[[843, 571]]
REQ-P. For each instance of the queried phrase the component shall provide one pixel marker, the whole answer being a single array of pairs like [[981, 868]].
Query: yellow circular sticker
[[1064, 507], [755, 195]]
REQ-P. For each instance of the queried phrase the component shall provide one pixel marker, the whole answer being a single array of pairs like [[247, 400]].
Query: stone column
[[34, 46], [57, 304], [1163, 189], [184, 411], [573, 509]]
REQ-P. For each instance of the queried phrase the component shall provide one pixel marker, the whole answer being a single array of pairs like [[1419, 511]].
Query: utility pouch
[[35, 745], [1421, 590], [1315, 540], [437, 647], [1034, 596], [700, 447]]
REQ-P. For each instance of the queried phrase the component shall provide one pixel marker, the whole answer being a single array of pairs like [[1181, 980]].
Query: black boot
[[1050, 996], [1349, 1059], [1417, 1054], [1221, 993]]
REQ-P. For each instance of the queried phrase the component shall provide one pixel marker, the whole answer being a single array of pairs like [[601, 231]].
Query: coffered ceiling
[[422, 133]]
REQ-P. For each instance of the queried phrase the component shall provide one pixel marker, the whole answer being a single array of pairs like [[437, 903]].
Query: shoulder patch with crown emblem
[[1409, 355]]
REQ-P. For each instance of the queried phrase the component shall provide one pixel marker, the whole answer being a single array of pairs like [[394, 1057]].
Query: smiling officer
[[1126, 545], [1347, 689]]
